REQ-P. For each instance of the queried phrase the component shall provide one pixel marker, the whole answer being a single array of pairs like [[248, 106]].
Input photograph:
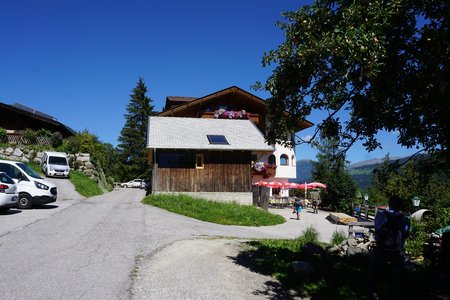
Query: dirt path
[[203, 269]]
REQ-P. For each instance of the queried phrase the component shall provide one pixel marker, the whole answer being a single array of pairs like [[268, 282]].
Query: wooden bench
[[361, 227]]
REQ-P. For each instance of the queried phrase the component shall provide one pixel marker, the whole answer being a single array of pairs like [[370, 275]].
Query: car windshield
[[57, 160], [28, 170]]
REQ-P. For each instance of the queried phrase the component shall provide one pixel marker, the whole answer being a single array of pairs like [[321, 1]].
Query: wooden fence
[[364, 211], [19, 139]]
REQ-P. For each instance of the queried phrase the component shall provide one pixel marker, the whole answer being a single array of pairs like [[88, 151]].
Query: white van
[[32, 188], [55, 164]]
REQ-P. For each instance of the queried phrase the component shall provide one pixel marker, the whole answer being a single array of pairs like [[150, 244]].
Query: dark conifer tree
[[132, 140]]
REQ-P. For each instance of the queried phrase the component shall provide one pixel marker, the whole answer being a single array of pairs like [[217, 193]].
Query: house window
[[175, 160], [284, 160], [217, 139], [199, 161], [271, 160]]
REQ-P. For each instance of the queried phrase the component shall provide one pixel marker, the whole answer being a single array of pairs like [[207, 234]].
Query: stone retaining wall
[[79, 161]]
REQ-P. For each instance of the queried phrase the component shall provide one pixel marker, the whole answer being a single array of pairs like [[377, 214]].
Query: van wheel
[[25, 201]]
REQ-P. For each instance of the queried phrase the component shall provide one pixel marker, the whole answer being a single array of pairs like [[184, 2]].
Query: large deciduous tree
[[133, 135], [372, 65]]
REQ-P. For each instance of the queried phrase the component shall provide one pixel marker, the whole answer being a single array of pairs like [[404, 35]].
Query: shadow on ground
[[10, 212], [333, 276]]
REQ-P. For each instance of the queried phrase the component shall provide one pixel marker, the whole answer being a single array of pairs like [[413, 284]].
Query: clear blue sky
[[78, 60]]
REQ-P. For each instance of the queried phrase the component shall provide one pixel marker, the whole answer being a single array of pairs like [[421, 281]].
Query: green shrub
[[338, 237], [44, 132], [417, 236], [3, 136], [420, 231], [29, 136], [440, 220], [56, 139], [310, 235]]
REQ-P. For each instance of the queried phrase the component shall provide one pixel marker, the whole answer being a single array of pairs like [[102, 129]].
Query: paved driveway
[[101, 248]]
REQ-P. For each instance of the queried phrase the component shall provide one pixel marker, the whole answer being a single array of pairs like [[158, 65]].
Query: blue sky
[[79, 60]]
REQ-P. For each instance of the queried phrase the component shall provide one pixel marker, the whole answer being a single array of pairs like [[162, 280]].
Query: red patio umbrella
[[274, 184], [291, 185], [314, 185], [260, 183], [311, 185]]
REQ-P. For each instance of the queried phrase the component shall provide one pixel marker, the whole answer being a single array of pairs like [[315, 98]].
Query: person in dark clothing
[[391, 231], [315, 204]]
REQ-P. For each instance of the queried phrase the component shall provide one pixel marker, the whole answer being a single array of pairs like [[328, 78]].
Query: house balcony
[[210, 115]]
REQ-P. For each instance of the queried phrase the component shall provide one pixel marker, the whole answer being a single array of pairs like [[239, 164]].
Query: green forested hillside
[[361, 172]]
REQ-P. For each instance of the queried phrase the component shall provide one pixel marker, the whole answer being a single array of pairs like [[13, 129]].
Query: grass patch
[[338, 237], [225, 213], [84, 185], [333, 276]]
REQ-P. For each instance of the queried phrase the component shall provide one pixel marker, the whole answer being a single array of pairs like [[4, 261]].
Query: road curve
[[93, 249]]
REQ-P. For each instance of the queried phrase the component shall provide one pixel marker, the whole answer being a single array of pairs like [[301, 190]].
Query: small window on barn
[[217, 139], [284, 160], [199, 161], [271, 160], [176, 160]]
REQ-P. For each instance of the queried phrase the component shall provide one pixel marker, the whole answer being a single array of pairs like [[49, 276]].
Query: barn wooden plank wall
[[224, 171]]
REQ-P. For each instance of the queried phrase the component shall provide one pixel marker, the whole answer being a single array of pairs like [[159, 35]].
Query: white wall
[[282, 171]]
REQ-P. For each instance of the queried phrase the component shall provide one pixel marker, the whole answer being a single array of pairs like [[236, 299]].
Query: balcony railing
[[210, 115]]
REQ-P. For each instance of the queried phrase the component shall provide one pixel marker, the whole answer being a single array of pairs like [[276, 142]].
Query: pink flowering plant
[[260, 167], [231, 114]]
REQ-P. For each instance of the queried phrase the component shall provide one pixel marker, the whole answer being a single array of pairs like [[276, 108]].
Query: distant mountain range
[[361, 172]]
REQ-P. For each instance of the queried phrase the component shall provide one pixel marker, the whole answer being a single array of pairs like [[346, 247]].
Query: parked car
[[8, 192], [55, 164], [127, 184], [32, 188], [135, 183]]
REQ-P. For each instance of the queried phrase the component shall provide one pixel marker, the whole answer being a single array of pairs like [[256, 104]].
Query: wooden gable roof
[[233, 97], [20, 117], [197, 104]]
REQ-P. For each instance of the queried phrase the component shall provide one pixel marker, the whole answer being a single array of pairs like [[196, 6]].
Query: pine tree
[[331, 170], [133, 135]]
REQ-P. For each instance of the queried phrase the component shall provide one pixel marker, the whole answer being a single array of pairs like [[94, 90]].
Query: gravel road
[[114, 247]]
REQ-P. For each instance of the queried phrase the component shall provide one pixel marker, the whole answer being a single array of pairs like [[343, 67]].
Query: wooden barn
[[204, 157], [16, 118]]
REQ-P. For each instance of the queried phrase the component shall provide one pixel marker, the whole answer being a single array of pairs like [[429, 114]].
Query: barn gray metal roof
[[191, 133]]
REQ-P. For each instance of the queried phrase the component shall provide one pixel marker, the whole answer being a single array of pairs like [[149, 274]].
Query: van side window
[[12, 171], [4, 168], [8, 169], [5, 178]]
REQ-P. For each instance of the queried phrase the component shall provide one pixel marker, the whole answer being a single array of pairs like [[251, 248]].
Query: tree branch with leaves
[[384, 63]]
